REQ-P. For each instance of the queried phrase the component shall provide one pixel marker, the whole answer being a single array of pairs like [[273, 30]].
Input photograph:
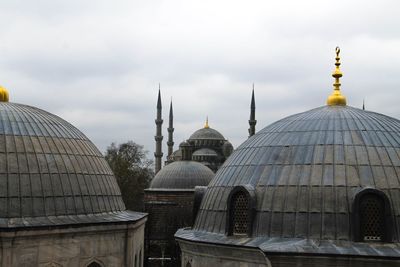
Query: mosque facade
[[318, 188], [60, 204]]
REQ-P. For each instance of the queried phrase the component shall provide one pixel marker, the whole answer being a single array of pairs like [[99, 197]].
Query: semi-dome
[[303, 174], [182, 175], [206, 133], [51, 173]]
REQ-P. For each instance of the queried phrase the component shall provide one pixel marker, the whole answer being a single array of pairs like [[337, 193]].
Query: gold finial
[[336, 98], [4, 97], [206, 124]]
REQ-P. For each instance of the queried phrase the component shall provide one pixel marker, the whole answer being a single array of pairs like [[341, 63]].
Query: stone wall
[[108, 245], [168, 211]]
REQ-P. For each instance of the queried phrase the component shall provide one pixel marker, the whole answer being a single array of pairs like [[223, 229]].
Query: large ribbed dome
[[206, 133], [49, 168], [182, 175], [305, 171]]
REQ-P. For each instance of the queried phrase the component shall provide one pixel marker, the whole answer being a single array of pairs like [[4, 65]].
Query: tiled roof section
[[306, 169], [116, 217], [49, 168], [206, 133], [182, 175]]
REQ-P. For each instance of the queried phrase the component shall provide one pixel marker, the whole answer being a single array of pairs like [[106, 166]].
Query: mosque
[[171, 197]]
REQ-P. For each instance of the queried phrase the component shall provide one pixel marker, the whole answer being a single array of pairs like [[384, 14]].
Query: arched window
[[372, 216], [94, 264], [241, 203]]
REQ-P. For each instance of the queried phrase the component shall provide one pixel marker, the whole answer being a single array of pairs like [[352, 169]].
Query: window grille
[[372, 215], [240, 214]]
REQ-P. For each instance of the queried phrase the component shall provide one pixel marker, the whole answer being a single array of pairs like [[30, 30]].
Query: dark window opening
[[94, 264], [372, 218], [240, 214]]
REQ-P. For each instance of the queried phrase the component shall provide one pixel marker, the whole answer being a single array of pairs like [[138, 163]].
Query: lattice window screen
[[240, 213], [372, 222]]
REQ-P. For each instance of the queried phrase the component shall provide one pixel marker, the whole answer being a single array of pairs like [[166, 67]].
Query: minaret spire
[[170, 129], [252, 121], [158, 137], [336, 98]]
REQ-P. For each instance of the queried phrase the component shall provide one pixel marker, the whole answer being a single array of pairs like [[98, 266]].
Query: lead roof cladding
[[206, 133], [182, 175], [49, 168], [305, 170]]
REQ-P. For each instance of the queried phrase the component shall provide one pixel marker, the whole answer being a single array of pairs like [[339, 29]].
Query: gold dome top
[[4, 97], [206, 126], [336, 98]]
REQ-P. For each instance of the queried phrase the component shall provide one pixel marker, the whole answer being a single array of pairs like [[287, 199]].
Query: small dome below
[[206, 133], [182, 175]]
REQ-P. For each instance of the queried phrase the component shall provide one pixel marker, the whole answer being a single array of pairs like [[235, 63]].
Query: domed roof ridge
[[182, 175], [206, 133], [305, 169], [51, 168]]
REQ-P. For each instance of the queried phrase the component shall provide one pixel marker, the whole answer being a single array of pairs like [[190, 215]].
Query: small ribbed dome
[[206, 133], [306, 170], [49, 168], [182, 175]]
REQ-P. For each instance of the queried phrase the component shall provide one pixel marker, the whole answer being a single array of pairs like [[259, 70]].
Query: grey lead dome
[[206, 133], [182, 175], [305, 171], [49, 168]]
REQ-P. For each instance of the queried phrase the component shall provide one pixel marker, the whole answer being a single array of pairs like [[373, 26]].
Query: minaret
[[336, 98], [363, 104], [170, 129], [252, 121], [158, 154]]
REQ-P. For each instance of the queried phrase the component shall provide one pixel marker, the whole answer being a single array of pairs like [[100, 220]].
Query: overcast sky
[[97, 64]]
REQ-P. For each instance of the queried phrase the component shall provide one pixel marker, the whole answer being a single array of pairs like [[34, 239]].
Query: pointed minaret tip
[[336, 98], [253, 102], [159, 99]]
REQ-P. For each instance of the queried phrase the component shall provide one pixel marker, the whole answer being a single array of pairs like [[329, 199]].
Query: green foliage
[[133, 171]]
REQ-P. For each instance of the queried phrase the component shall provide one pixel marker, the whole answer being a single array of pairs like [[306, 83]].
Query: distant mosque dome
[[206, 134], [182, 175]]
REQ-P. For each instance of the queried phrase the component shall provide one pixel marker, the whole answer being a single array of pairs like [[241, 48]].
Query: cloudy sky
[[98, 63]]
